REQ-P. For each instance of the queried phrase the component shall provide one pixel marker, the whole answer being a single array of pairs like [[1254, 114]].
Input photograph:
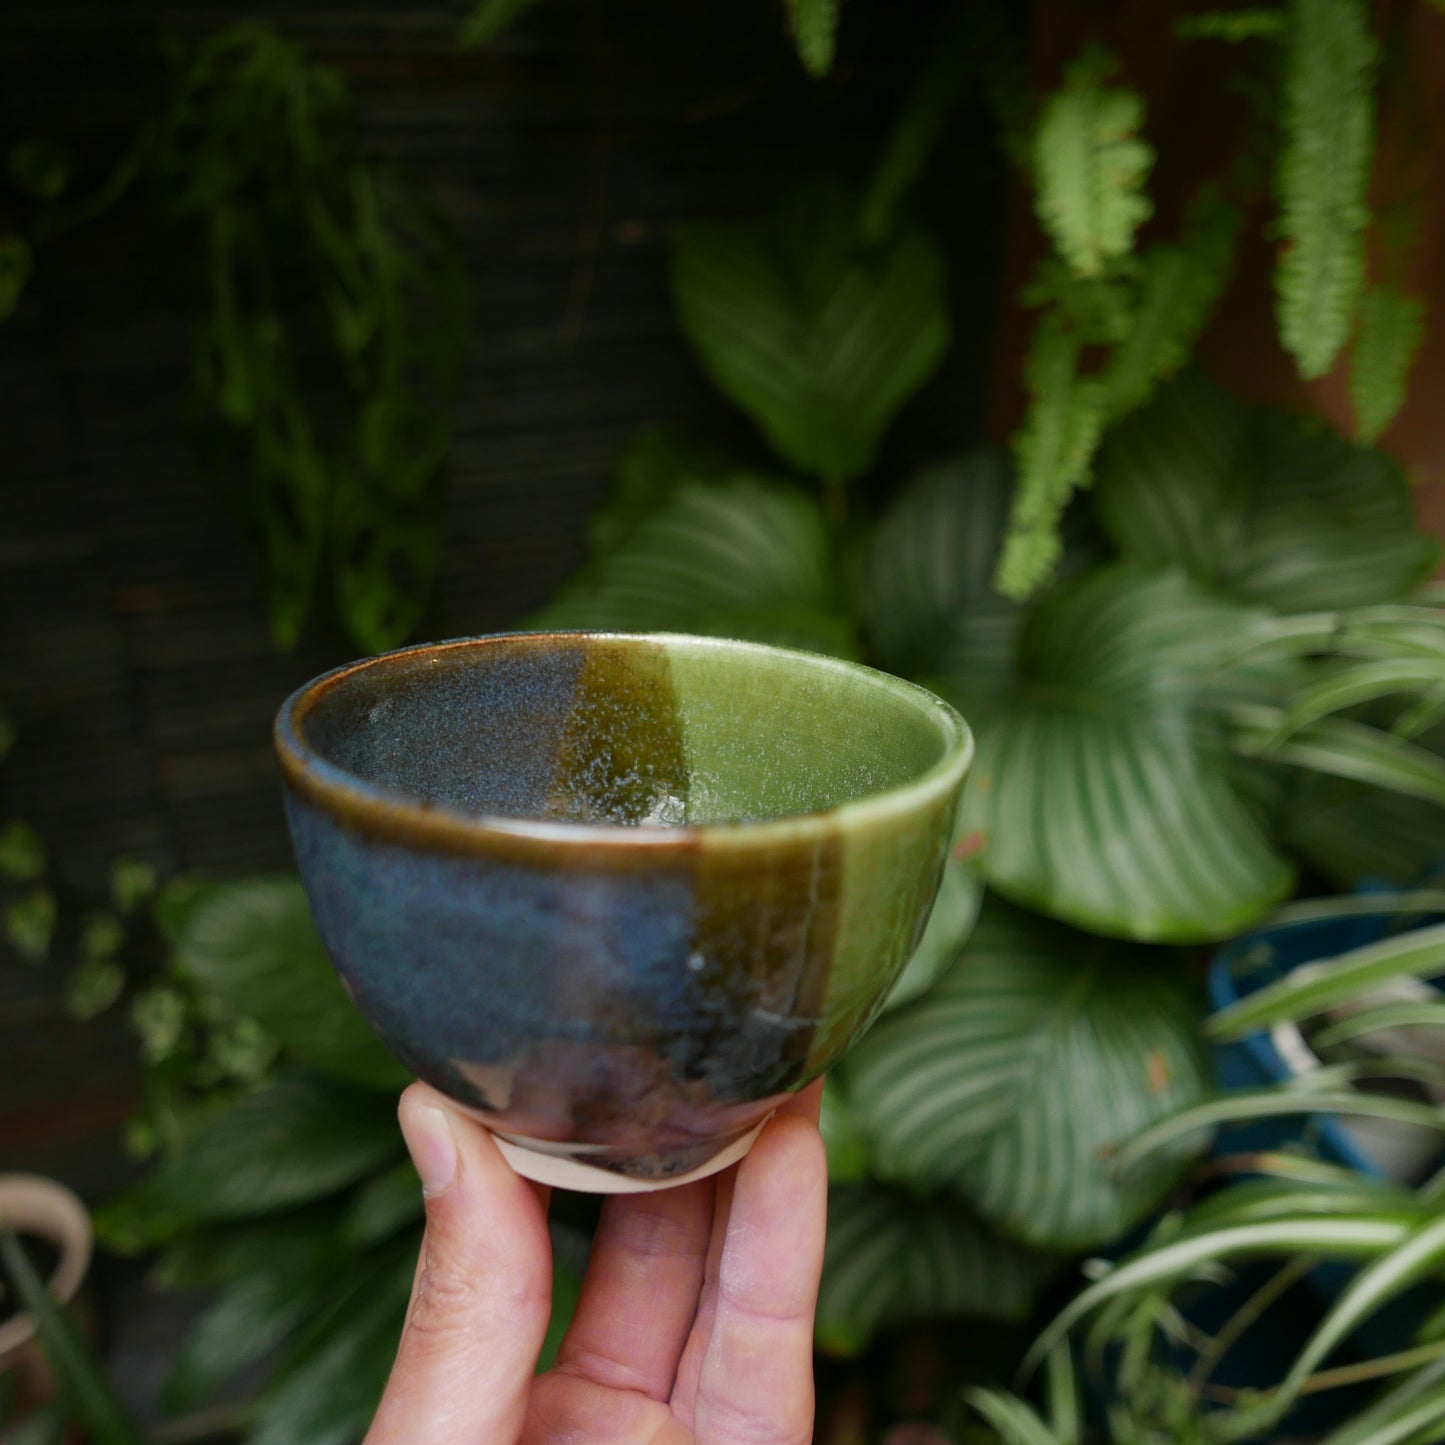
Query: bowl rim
[[377, 810]]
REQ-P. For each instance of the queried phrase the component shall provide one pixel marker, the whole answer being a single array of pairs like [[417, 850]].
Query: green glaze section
[[890, 874], [621, 757], [769, 735]]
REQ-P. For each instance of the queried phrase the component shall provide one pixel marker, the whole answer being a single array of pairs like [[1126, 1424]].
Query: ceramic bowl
[[619, 895]]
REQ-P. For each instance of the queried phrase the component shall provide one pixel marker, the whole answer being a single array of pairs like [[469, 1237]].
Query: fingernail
[[432, 1146]]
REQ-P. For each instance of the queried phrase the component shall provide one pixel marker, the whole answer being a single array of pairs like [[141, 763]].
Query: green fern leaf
[[1392, 326], [1177, 290], [1232, 25], [1090, 166], [1053, 451], [815, 32], [490, 19], [1324, 176]]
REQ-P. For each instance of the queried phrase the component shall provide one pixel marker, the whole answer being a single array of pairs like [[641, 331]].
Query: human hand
[[695, 1324]]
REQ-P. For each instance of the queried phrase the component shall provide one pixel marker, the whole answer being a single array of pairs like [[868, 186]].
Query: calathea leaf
[[1324, 177], [745, 557], [926, 593], [1090, 166], [1012, 1081], [817, 336], [252, 945], [1257, 504], [892, 1259], [1101, 793]]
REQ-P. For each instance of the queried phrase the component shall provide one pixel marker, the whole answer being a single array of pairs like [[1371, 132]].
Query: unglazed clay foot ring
[[563, 1173]]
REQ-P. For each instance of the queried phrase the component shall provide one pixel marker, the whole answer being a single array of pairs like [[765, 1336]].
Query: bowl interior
[[667, 731]]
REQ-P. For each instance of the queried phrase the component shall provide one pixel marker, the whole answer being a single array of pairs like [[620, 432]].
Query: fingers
[[483, 1289], [806, 1103], [751, 1381], [641, 1290]]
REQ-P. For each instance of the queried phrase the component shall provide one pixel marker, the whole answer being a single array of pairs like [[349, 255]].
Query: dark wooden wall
[[134, 656]]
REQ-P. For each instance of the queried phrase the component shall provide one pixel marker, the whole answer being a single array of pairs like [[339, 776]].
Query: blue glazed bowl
[[619, 895]]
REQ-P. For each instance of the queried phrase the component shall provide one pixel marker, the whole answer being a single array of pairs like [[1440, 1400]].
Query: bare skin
[[695, 1325]]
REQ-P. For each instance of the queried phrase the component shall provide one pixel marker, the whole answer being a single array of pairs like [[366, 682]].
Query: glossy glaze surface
[[619, 893]]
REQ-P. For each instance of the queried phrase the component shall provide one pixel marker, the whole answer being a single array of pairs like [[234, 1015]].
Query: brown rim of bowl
[[399, 818]]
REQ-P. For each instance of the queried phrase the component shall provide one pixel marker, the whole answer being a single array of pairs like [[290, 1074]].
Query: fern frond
[[1178, 288], [1232, 26], [1090, 166], [489, 19], [815, 33], [1392, 326], [1053, 451], [1324, 176]]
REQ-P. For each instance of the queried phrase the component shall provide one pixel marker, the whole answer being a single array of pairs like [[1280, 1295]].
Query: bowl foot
[[543, 1162]]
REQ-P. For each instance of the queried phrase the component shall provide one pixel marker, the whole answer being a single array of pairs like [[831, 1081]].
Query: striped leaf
[[892, 1260], [1411, 1411], [1100, 793], [815, 32], [1013, 1080], [742, 558], [1090, 166], [1014, 1422], [819, 338], [1312, 988], [1324, 177], [1391, 330], [1257, 504], [926, 592]]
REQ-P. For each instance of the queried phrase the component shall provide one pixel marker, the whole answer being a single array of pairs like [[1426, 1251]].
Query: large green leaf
[[742, 558], [293, 1142], [926, 592], [252, 1315], [1324, 176], [819, 338], [1257, 504], [327, 1388], [892, 1259], [252, 945], [1029, 1062], [1101, 793], [1350, 832]]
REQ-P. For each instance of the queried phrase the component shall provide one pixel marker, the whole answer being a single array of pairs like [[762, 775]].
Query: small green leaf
[[93, 986], [818, 337], [1053, 452], [101, 937], [1015, 1422], [489, 19], [132, 882], [1089, 166], [1015, 1078], [29, 923], [566, 1291], [159, 1015], [288, 1144], [892, 1259], [1391, 331], [252, 945], [22, 854], [91, 1398], [815, 31], [1324, 176], [1232, 25]]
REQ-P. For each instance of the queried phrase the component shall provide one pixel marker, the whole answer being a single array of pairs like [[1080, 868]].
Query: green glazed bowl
[[619, 895]]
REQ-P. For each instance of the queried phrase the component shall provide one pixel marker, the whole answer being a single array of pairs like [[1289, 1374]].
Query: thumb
[[483, 1289]]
